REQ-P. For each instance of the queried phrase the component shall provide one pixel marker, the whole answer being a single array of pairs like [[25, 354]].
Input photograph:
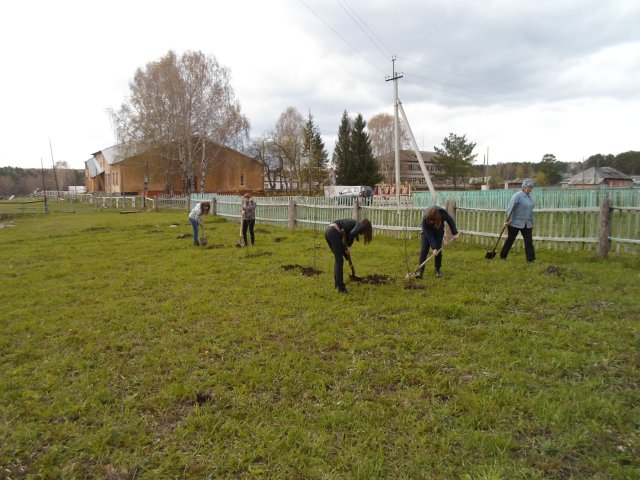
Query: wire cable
[[341, 37]]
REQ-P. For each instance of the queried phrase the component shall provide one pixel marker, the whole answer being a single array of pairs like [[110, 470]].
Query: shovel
[[415, 272], [490, 254], [203, 238], [240, 243], [353, 270]]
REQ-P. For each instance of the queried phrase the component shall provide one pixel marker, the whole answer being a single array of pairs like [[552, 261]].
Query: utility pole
[[414, 144], [396, 124], [44, 188], [55, 176]]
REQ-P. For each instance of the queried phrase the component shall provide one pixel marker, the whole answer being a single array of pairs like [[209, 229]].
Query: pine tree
[[313, 150], [342, 150], [363, 169]]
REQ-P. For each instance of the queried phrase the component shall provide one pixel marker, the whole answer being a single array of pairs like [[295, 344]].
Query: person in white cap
[[520, 219]]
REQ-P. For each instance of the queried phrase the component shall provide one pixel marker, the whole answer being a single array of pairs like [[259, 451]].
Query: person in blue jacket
[[432, 234], [520, 219], [340, 235]]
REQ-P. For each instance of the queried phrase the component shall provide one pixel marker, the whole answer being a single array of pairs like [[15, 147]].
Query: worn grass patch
[[126, 352]]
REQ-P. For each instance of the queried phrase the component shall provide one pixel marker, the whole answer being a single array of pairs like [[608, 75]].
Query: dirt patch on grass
[[413, 285], [372, 279], [217, 245], [95, 229], [553, 271], [258, 254], [261, 230], [306, 271], [279, 239]]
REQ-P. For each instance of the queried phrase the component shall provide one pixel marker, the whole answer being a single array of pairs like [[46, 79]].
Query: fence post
[[292, 215], [450, 207], [605, 228], [214, 206], [356, 210]]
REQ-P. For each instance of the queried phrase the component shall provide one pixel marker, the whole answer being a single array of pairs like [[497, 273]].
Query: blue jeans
[[195, 224]]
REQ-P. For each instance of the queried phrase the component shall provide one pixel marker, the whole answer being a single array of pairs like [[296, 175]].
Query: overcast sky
[[520, 78]]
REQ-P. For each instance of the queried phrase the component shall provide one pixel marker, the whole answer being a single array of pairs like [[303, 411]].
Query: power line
[[378, 43], [435, 67], [341, 37], [480, 92]]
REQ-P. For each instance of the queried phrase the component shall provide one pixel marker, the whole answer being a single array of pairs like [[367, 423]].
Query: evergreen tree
[[313, 150], [363, 168], [342, 150]]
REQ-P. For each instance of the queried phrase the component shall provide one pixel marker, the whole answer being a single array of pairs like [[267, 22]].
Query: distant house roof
[[596, 176], [408, 155]]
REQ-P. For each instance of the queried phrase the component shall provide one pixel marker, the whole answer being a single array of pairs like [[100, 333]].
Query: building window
[[241, 180]]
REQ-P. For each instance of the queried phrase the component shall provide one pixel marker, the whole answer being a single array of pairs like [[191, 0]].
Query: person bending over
[[340, 235], [432, 235]]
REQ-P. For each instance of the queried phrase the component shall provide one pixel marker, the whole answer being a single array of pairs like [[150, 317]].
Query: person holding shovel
[[520, 219], [195, 219], [432, 234], [248, 218], [340, 235]]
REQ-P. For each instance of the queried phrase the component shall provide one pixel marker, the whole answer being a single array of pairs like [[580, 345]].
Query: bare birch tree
[[179, 108], [381, 133], [288, 138]]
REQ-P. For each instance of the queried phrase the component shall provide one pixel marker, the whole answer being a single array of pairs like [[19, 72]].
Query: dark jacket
[[435, 235], [351, 228]]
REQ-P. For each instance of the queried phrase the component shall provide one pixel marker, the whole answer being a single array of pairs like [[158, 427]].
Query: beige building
[[410, 171], [111, 171]]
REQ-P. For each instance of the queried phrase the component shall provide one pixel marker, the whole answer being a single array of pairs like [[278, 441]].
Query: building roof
[[93, 166], [410, 155], [112, 154], [596, 176]]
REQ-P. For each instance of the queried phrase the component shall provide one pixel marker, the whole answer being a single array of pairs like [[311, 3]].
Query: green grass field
[[127, 353]]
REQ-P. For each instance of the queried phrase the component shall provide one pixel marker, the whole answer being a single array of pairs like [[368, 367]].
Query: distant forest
[[549, 171], [25, 181]]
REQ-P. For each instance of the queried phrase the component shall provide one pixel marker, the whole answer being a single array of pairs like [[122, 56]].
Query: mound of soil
[[414, 286], [306, 271], [279, 239], [257, 254], [372, 279], [553, 271], [218, 245], [261, 230]]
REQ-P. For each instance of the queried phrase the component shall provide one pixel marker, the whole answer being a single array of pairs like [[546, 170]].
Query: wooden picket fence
[[564, 219]]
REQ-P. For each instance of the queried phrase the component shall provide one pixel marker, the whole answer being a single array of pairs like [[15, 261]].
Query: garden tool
[[489, 255], [353, 270], [240, 243], [415, 272], [203, 238]]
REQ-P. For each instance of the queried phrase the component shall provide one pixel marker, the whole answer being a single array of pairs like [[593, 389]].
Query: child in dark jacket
[[432, 235], [340, 235]]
